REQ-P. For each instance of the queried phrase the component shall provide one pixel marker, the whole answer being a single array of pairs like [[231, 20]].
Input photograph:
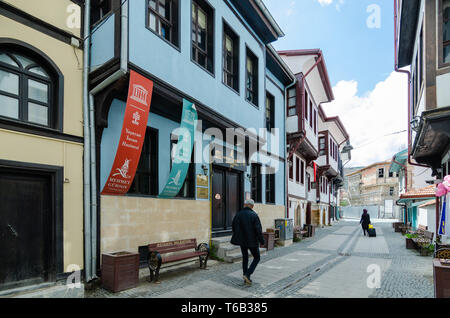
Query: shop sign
[[202, 180], [132, 137], [202, 193]]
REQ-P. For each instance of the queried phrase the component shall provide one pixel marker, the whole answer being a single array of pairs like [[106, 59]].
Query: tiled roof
[[428, 203], [427, 192]]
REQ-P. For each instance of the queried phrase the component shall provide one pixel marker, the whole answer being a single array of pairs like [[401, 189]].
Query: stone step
[[227, 249], [237, 257], [228, 252]]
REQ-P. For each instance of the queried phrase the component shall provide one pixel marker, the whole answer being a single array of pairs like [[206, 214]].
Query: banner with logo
[[132, 137], [183, 151]]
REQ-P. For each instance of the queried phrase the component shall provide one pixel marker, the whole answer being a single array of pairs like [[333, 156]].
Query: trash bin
[[286, 227], [269, 238], [120, 271], [311, 229]]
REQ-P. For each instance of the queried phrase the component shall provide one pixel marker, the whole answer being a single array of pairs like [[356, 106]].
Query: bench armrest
[[203, 247]]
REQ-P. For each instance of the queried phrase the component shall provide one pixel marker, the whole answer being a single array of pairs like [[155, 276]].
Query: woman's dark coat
[[365, 221], [247, 229]]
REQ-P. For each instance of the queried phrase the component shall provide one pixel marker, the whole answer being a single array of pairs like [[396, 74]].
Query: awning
[[421, 195], [402, 158]]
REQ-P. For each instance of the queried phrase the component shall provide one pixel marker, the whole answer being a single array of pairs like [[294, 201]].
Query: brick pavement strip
[[332, 264]]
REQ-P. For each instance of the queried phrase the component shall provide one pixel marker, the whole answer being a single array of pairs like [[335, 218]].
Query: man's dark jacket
[[247, 230]]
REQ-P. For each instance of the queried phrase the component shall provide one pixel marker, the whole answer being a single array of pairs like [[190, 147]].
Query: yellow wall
[[68, 60], [25, 148], [130, 222], [55, 12], [21, 147]]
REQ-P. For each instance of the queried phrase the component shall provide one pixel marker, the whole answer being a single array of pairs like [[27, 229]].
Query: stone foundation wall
[[268, 214], [130, 222]]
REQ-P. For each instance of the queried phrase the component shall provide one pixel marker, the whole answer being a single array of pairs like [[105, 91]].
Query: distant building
[[374, 186]]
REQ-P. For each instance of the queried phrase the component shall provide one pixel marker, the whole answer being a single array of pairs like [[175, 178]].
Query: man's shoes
[[247, 280]]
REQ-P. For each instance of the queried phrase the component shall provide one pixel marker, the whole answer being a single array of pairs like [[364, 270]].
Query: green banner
[[183, 152]]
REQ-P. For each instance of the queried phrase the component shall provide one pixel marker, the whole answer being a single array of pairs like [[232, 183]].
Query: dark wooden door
[[218, 200], [233, 197], [25, 233], [226, 196], [308, 213]]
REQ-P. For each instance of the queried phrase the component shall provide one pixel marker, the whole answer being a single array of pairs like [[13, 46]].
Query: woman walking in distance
[[365, 221]]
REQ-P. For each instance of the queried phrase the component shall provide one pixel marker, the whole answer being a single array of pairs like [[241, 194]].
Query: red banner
[[133, 134]]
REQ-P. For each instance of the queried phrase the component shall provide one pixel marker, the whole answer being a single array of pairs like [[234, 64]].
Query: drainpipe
[[406, 173], [90, 153], [409, 87], [87, 142], [405, 206]]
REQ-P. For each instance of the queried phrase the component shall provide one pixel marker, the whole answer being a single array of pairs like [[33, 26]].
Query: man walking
[[247, 233]]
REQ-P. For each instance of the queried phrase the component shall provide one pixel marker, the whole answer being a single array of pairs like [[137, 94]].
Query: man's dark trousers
[[256, 258]]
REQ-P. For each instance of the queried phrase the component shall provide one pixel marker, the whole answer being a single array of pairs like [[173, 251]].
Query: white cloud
[[368, 119]]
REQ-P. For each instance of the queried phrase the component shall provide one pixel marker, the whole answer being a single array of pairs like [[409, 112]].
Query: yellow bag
[[370, 226]]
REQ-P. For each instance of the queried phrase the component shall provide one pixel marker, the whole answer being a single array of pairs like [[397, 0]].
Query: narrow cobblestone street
[[338, 262]]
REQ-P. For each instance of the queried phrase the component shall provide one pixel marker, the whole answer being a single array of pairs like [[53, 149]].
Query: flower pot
[[120, 271], [269, 238], [425, 252], [409, 244]]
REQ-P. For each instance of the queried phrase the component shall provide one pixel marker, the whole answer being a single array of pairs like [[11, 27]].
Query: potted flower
[[409, 241], [427, 250]]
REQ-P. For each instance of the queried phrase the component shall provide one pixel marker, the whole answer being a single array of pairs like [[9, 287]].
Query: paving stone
[[332, 264]]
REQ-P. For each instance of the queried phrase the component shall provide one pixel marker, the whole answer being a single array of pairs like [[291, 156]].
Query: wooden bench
[[299, 232], [424, 239], [396, 226], [420, 230], [405, 227], [169, 252]]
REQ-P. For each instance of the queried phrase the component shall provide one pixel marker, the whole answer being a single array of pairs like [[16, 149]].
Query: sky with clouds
[[357, 39]]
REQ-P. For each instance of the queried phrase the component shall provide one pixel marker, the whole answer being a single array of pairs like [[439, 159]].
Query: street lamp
[[415, 123], [347, 148]]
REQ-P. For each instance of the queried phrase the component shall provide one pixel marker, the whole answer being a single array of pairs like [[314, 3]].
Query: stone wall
[[130, 222], [268, 214]]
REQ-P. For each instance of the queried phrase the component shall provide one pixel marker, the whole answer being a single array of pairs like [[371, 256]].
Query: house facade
[[332, 140], [211, 60], [422, 38], [312, 192], [41, 141], [422, 45]]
